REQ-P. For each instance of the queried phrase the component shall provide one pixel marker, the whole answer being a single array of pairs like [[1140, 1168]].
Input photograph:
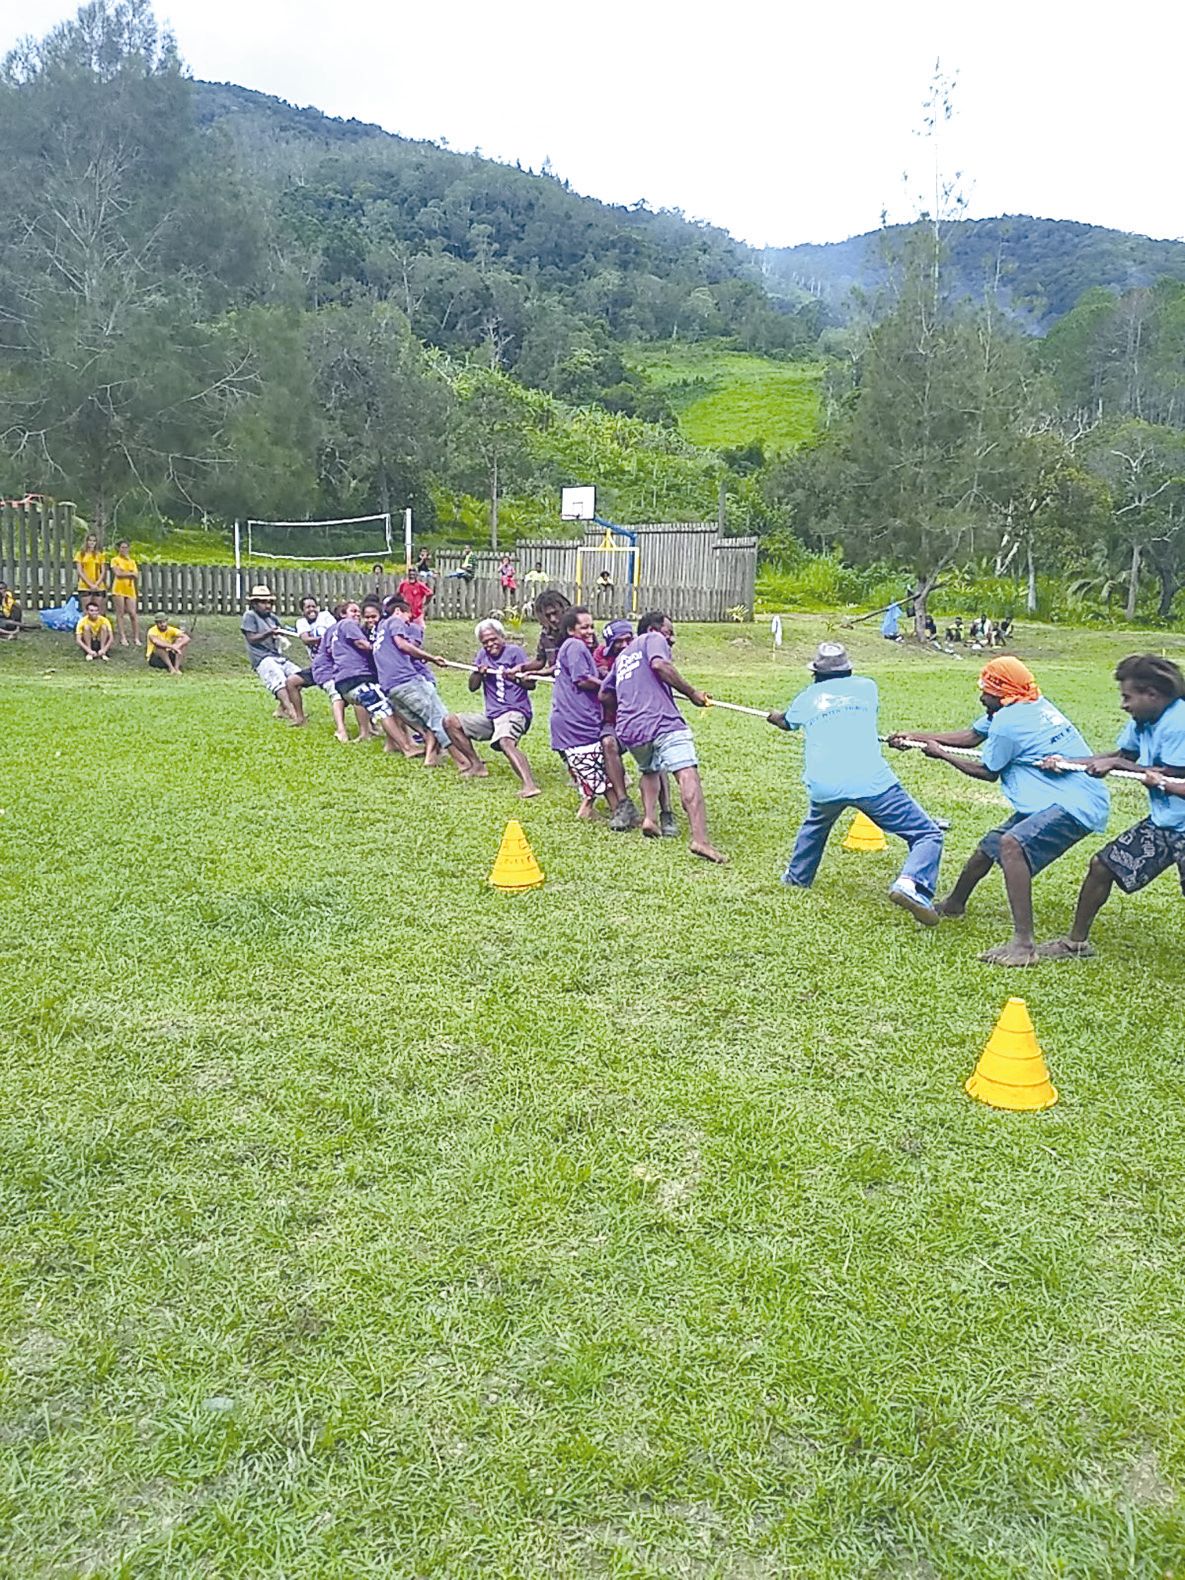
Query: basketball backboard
[[578, 504]]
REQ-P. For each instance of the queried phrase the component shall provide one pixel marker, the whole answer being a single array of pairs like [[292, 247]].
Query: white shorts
[[510, 726], [276, 672]]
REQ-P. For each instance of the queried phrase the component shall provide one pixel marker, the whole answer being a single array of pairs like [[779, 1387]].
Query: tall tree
[[117, 383]]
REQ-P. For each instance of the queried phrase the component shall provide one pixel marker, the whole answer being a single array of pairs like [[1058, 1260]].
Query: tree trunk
[[1031, 594], [494, 505], [1133, 585]]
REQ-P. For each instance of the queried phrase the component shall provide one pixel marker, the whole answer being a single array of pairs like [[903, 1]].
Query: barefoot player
[[1019, 728]]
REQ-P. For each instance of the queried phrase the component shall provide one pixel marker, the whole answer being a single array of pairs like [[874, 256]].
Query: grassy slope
[[357, 1220], [729, 398]]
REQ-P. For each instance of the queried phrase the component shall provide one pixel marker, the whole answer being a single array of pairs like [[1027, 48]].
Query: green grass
[[360, 1221], [726, 399]]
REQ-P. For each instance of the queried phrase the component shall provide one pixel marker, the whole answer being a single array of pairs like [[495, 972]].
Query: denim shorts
[[418, 701], [1042, 836], [667, 753]]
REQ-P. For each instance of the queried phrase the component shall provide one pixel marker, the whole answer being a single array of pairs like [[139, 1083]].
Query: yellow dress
[[124, 570], [91, 567]]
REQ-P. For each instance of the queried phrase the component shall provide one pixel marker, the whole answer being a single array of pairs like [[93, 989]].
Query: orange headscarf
[[1010, 680]]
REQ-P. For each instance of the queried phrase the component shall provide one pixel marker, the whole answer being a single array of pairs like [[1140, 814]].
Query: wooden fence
[[691, 571]]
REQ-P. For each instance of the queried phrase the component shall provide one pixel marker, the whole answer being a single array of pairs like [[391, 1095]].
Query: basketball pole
[[407, 535]]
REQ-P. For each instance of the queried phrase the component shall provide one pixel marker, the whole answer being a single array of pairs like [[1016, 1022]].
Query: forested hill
[[1045, 264], [491, 257]]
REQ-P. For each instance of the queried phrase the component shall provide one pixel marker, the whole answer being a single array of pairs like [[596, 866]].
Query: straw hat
[[261, 593]]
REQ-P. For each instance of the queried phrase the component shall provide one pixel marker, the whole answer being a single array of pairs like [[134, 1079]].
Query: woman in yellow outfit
[[90, 565], [125, 582]]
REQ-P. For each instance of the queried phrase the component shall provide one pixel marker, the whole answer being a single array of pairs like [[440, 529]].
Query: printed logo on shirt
[[626, 665]]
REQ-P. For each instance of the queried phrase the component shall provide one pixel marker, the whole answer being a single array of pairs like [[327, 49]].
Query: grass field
[[360, 1221], [732, 398]]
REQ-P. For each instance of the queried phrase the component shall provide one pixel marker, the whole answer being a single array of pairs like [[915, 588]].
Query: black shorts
[[155, 661], [95, 643], [1142, 853], [305, 676]]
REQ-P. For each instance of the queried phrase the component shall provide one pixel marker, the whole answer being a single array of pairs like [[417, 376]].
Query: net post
[[238, 564], [406, 534]]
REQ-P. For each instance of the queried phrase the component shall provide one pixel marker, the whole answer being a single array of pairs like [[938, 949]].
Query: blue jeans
[[893, 810]]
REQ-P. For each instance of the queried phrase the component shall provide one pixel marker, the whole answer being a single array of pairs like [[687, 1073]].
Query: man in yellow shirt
[[166, 644], [93, 633]]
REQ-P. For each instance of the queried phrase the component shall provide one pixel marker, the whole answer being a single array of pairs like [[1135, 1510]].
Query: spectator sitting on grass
[[165, 646], [94, 632], [10, 613]]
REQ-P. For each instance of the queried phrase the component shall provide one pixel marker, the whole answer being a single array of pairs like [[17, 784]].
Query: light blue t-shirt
[[1018, 737], [843, 756], [1162, 742]]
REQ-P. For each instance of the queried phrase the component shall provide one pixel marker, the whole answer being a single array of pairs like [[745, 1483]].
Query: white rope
[[737, 707]]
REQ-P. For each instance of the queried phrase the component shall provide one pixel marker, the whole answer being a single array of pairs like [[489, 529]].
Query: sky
[[780, 122]]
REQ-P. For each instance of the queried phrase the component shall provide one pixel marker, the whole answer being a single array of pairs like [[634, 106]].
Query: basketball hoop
[[578, 504]]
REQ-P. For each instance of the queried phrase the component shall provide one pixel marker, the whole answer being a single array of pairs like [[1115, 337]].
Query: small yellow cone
[[865, 835], [515, 867], [1011, 1072]]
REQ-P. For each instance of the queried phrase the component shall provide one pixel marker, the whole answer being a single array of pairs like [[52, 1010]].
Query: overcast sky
[[780, 122]]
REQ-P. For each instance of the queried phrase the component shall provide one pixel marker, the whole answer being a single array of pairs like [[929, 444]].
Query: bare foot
[[949, 909], [585, 810], [528, 792], [1011, 954], [296, 723], [650, 828], [707, 853], [480, 772], [1065, 949], [340, 735]]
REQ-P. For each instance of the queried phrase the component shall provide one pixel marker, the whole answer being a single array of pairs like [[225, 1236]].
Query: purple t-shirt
[[576, 717], [322, 665], [348, 663], [502, 695], [394, 666], [645, 707], [415, 633]]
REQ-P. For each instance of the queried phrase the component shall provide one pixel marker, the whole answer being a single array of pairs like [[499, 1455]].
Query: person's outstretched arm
[[900, 739], [965, 765]]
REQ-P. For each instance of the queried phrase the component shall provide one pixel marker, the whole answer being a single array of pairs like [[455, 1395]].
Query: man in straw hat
[[261, 630], [844, 767], [1018, 729]]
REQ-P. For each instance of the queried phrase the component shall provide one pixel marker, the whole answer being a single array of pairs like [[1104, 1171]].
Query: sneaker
[[625, 816], [667, 826], [907, 895]]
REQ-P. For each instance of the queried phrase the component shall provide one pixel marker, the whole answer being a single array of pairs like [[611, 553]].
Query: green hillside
[[730, 399]]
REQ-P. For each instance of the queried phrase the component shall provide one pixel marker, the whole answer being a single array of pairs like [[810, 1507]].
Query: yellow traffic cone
[[515, 867], [865, 835], [1011, 1072]]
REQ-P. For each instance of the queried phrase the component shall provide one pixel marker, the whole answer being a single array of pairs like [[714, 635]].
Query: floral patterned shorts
[[1142, 853]]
